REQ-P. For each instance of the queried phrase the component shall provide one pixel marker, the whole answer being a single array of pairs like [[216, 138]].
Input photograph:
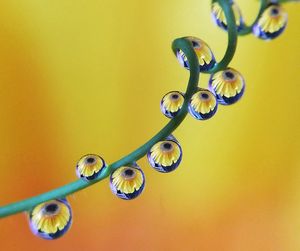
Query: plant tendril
[[186, 47]]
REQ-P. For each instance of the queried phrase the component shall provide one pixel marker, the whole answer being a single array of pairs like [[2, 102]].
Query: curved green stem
[[263, 5], [184, 45], [232, 37], [248, 29], [75, 186]]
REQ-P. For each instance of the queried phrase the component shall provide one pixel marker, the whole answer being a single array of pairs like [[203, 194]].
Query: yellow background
[[83, 77]]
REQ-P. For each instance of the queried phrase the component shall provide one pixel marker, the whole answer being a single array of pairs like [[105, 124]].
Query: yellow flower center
[[128, 174], [204, 96], [228, 76], [90, 161], [174, 97], [274, 11], [51, 209], [166, 147]]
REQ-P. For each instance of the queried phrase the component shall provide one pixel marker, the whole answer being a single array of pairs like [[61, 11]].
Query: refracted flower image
[[171, 103], [205, 56], [228, 86], [271, 23], [218, 15], [149, 126], [165, 156], [203, 104], [127, 182], [51, 220], [90, 166]]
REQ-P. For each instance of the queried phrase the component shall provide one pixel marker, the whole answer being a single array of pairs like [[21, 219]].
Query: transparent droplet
[[228, 86], [203, 104], [89, 167], [127, 182], [219, 18], [165, 156], [271, 23], [52, 219], [171, 103], [203, 52]]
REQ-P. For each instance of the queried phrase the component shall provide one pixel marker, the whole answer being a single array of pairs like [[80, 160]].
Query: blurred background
[[82, 77]]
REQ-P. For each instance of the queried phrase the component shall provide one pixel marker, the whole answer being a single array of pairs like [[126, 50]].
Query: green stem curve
[[187, 48], [27, 204], [248, 29], [232, 37], [287, 1]]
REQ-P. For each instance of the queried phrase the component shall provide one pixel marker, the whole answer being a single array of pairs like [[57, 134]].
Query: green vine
[[186, 47]]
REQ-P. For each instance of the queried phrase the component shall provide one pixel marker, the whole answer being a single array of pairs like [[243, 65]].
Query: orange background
[[83, 77]]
